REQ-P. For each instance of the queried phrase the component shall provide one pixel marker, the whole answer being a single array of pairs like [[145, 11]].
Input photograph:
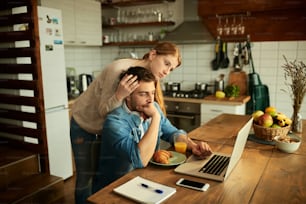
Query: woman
[[103, 95]]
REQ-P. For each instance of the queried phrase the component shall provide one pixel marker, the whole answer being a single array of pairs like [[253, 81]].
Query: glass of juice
[[180, 144]]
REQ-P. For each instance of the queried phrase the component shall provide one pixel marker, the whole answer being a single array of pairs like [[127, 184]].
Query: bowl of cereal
[[289, 143]]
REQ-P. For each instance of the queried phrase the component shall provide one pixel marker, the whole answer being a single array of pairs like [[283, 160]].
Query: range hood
[[192, 30]]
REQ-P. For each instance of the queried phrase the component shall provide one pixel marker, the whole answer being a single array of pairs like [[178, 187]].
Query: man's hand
[[148, 142], [201, 149], [150, 110]]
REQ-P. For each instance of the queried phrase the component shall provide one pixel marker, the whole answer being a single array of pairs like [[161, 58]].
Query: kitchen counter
[[263, 175], [210, 106], [211, 99]]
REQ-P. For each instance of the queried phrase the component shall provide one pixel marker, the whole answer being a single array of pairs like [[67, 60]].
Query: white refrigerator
[[55, 91], [54, 87]]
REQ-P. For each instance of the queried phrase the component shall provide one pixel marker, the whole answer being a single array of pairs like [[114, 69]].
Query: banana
[[281, 123], [280, 116], [288, 121]]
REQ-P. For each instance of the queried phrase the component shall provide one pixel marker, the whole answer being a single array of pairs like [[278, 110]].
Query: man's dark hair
[[142, 74]]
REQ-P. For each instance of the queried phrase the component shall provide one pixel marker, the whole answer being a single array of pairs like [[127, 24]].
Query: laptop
[[217, 166]]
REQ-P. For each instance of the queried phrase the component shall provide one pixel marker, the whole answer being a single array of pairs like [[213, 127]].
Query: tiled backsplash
[[84, 59], [267, 56]]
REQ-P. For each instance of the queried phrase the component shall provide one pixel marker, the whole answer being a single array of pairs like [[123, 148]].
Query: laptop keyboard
[[215, 165]]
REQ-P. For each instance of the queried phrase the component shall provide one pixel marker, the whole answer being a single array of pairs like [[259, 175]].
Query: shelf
[[157, 24], [127, 25], [133, 3], [134, 43]]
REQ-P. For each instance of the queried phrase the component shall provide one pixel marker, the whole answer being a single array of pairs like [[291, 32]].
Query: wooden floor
[[69, 191]]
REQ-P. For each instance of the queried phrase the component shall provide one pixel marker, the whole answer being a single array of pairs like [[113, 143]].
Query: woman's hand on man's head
[[126, 86]]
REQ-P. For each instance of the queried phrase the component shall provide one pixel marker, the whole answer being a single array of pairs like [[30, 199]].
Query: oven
[[184, 115]]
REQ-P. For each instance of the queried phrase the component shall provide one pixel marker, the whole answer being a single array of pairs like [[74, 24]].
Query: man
[[132, 132]]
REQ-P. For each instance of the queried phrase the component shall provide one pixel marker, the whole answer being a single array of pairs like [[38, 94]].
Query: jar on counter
[[150, 36], [219, 83], [105, 38], [112, 21], [159, 16]]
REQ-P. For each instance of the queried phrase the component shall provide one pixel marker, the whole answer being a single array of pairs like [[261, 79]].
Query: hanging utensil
[[216, 62], [243, 55], [246, 55], [225, 60], [240, 55], [236, 63]]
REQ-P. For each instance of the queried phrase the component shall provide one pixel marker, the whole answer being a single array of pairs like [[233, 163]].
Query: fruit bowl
[[268, 133], [288, 144]]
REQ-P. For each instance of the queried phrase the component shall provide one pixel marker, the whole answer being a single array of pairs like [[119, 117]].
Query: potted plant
[[162, 34]]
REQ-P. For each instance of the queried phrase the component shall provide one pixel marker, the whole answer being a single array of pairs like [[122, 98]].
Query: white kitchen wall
[[84, 59], [267, 56]]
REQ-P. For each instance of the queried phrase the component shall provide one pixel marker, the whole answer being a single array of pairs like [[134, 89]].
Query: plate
[[176, 159]]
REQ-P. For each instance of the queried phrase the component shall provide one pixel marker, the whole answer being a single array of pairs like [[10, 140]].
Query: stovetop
[[187, 94]]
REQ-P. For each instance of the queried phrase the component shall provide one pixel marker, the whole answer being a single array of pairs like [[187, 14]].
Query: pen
[[155, 190]]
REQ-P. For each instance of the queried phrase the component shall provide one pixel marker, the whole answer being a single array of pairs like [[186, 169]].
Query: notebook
[[218, 166], [143, 190]]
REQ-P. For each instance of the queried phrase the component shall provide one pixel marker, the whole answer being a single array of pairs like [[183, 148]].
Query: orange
[[271, 110]]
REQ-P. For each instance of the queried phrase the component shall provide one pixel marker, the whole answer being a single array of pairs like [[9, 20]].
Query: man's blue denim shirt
[[121, 133]]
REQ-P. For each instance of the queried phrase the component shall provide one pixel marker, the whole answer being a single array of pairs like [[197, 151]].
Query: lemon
[[220, 94]]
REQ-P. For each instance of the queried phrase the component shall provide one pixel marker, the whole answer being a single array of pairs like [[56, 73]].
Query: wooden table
[[263, 175]]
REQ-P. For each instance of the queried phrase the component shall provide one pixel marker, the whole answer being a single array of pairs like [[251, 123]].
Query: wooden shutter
[[21, 89]]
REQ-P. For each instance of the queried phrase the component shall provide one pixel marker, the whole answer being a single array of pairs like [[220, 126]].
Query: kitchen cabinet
[[212, 107], [208, 107], [274, 20], [210, 111], [240, 6], [82, 24], [124, 24]]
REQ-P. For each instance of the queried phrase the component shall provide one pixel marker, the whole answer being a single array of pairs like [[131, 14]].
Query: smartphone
[[192, 184]]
